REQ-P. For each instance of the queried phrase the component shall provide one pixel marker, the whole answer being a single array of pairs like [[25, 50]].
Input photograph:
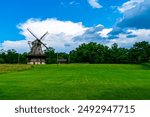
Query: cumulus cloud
[[104, 33], [136, 35], [20, 46], [53, 26], [100, 34], [129, 5], [137, 17], [66, 35], [60, 34], [63, 35], [94, 4], [134, 26], [63, 38], [91, 34]]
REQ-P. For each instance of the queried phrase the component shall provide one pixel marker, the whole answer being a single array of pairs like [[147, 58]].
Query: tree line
[[88, 53], [12, 57], [98, 53]]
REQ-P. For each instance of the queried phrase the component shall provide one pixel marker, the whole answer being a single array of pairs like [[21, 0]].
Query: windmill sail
[[36, 55]]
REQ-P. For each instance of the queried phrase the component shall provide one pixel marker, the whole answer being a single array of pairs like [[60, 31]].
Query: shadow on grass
[[134, 93], [146, 66]]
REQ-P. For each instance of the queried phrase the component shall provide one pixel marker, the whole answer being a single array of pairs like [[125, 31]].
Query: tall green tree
[[2, 56], [117, 54], [89, 53], [11, 56], [140, 52], [51, 56], [22, 58]]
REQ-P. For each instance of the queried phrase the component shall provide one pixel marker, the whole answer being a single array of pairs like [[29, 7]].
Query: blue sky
[[103, 21], [16, 11]]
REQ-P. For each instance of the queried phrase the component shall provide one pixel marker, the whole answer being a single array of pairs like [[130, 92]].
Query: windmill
[[36, 55]]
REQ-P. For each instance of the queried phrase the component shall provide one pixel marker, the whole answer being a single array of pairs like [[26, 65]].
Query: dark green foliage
[[88, 53], [2, 56], [97, 53], [117, 55], [2, 61], [12, 57], [22, 58], [51, 56], [140, 52]]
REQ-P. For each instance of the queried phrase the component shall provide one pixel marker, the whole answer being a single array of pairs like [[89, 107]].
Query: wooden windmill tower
[[36, 55]]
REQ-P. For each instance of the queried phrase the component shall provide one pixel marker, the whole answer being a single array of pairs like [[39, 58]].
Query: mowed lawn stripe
[[76, 81]]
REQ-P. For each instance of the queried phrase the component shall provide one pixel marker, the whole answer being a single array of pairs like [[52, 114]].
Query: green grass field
[[75, 81]]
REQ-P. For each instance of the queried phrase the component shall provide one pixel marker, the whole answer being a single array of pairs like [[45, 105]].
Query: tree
[[51, 56], [11, 56], [2, 61], [117, 54], [89, 53], [22, 58], [140, 52], [2, 56]]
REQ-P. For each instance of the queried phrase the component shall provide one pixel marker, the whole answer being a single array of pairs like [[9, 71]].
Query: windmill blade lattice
[[44, 36], [32, 33]]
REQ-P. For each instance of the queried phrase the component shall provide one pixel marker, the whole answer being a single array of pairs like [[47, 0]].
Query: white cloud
[[105, 31], [66, 35], [60, 34], [74, 3], [94, 3], [129, 5], [53, 26], [123, 41], [19, 46]]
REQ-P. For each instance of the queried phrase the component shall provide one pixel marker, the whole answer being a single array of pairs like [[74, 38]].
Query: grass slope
[[75, 81], [4, 68]]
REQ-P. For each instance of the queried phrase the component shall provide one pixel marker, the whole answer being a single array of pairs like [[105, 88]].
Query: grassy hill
[[75, 81]]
